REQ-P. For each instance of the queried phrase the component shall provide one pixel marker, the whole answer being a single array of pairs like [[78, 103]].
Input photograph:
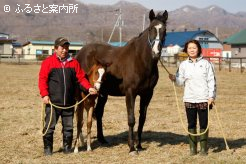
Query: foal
[[95, 76]]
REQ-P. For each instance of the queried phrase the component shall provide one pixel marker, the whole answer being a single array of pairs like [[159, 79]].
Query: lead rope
[[51, 112], [221, 129], [179, 111]]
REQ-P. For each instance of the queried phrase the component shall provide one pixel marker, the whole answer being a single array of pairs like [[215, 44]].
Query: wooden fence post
[[230, 65], [241, 65]]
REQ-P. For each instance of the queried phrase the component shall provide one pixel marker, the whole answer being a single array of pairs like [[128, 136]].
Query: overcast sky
[[232, 6]]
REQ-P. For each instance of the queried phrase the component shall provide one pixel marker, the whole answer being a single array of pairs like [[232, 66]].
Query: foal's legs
[[89, 124], [99, 110], [89, 106], [79, 138], [144, 102]]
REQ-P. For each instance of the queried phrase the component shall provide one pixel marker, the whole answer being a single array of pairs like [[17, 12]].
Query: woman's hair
[[196, 43]]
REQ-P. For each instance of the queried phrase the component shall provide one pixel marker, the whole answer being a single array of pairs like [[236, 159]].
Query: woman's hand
[[210, 101], [172, 77]]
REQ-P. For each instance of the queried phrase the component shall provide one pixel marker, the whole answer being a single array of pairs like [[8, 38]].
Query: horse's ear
[[165, 15], [151, 15]]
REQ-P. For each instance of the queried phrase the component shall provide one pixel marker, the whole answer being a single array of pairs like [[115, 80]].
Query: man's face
[[62, 51]]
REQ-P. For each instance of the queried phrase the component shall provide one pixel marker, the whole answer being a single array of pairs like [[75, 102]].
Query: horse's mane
[[139, 35]]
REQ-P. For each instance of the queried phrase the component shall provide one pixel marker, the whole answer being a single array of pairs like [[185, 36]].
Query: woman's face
[[192, 50]]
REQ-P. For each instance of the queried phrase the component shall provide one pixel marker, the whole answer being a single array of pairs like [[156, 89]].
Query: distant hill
[[209, 18], [95, 22]]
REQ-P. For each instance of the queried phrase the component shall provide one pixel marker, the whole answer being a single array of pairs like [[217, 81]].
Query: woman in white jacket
[[197, 76]]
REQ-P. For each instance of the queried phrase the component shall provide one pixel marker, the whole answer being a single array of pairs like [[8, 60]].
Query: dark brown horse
[[95, 76], [132, 71]]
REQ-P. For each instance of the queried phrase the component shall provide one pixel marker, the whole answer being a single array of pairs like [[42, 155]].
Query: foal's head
[[96, 75], [157, 32]]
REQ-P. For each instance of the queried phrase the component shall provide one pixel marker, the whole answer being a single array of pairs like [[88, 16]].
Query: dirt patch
[[164, 139]]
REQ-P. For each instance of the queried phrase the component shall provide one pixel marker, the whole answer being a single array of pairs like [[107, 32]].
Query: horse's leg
[[79, 137], [89, 124], [144, 102], [99, 110], [130, 104]]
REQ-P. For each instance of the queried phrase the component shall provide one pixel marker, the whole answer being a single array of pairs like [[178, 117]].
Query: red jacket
[[59, 79]]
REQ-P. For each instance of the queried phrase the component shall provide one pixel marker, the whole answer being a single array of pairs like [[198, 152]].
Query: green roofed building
[[236, 44]]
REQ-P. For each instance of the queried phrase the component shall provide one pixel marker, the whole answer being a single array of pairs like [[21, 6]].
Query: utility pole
[[216, 32], [143, 22], [102, 33], [118, 23], [120, 27]]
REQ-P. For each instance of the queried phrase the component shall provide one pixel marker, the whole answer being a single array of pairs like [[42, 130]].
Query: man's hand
[[92, 91], [46, 99]]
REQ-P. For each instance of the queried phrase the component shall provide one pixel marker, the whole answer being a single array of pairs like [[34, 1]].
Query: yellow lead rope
[[198, 134], [176, 97], [221, 129], [51, 112], [179, 111]]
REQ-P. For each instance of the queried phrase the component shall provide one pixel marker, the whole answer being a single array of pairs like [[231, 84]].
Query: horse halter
[[156, 42], [151, 42]]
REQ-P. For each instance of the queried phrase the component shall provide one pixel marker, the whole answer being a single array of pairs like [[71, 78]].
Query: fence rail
[[17, 59], [220, 62], [236, 62]]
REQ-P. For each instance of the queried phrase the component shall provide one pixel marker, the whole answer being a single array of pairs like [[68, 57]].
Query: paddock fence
[[234, 63]]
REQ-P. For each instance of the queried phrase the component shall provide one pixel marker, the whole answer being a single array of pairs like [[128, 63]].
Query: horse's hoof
[[133, 153], [102, 141], [89, 149], [139, 147], [76, 150]]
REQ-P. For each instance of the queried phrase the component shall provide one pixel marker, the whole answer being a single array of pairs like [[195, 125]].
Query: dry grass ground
[[164, 139]]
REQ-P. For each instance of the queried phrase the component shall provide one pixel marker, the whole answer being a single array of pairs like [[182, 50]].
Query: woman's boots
[[192, 142], [203, 142]]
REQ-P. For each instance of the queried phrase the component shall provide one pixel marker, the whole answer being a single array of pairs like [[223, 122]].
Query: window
[[42, 52], [203, 38], [45, 52], [39, 52]]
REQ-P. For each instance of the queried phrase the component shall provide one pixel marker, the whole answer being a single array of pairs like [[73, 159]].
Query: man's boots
[[192, 142], [48, 145], [204, 143], [67, 144]]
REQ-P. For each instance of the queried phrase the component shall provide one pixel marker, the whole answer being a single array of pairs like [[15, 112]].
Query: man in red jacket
[[59, 76]]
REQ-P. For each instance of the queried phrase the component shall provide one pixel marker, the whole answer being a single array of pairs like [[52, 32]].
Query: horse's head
[[157, 32], [96, 75]]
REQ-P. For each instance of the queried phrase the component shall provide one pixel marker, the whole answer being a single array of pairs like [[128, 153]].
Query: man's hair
[[61, 41]]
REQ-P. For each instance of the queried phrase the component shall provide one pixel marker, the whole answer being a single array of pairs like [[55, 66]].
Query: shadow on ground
[[168, 138]]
